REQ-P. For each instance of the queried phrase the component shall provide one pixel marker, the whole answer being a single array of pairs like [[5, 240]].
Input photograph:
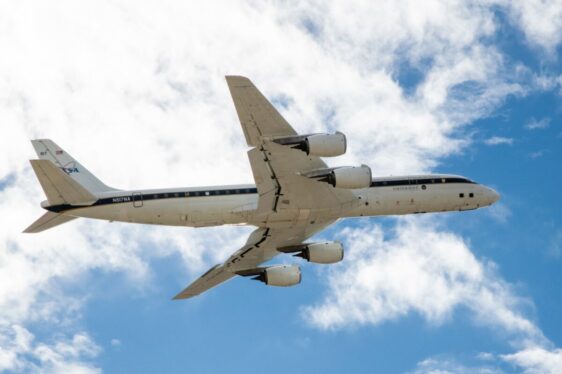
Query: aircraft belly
[[97, 212], [162, 212], [406, 200], [214, 211]]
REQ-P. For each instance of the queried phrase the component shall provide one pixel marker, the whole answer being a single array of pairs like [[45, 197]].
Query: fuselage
[[237, 204], [296, 195]]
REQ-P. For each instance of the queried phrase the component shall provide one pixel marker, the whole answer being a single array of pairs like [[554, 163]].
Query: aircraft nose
[[493, 195]]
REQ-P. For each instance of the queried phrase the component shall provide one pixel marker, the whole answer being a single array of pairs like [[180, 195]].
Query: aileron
[[258, 117]]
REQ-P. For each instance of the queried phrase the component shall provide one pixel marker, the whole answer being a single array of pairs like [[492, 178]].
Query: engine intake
[[278, 275], [352, 177], [321, 145], [322, 253]]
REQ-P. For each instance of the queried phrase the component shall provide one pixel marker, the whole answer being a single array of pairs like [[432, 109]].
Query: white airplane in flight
[[296, 195]]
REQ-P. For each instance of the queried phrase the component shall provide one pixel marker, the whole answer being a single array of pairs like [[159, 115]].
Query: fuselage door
[[137, 199]]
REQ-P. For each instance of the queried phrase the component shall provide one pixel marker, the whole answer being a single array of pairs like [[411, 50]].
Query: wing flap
[[277, 168], [221, 272]]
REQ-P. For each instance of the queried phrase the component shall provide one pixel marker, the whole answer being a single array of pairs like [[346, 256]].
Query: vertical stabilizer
[[59, 187], [48, 150]]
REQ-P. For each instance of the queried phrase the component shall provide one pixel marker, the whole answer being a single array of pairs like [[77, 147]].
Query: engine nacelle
[[325, 145], [323, 253], [280, 275], [321, 145], [351, 177]]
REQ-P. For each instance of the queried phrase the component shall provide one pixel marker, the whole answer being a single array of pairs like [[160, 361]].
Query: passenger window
[[471, 195], [461, 195], [207, 193]]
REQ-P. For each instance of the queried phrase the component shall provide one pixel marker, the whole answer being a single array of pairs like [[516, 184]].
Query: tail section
[[65, 182], [59, 187], [47, 150]]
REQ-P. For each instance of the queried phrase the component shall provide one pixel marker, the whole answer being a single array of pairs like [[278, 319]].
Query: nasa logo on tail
[[70, 168]]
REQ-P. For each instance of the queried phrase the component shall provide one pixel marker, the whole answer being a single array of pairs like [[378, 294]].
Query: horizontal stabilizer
[[48, 220], [59, 187]]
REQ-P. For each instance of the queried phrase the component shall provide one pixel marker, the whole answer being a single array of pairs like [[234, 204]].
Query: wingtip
[[40, 141], [228, 77], [238, 80], [182, 296]]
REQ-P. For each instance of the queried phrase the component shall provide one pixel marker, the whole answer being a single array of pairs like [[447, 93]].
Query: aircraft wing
[[277, 168], [290, 205], [261, 246]]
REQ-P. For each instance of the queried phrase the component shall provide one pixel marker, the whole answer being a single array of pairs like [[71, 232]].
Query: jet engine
[[278, 275], [322, 253], [352, 177], [321, 145]]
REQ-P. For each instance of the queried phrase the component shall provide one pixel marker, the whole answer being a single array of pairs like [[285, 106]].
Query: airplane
[[296, 195]]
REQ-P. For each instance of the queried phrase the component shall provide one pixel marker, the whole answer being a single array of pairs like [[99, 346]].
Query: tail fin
[[47, 150], [59, 187], [64, 180]]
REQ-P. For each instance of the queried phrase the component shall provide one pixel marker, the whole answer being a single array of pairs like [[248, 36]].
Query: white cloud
[[534, 124], [529, 360], [536, 154], [499, 212], [449, 366], [20, 353], [536, 360], [115, 342], [496, 140], [137, 94], [485, 356], [419, 269], [540, 20]]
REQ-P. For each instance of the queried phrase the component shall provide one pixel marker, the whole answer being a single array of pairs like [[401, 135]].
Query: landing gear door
[[137, 199]]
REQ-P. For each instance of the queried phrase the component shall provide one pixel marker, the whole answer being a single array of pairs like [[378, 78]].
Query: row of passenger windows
[[407, 182], [237, 191]]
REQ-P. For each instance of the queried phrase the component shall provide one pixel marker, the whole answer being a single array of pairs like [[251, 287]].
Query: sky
[[136, 92]]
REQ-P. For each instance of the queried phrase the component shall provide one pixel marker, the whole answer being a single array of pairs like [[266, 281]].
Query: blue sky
[[137, 94]]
